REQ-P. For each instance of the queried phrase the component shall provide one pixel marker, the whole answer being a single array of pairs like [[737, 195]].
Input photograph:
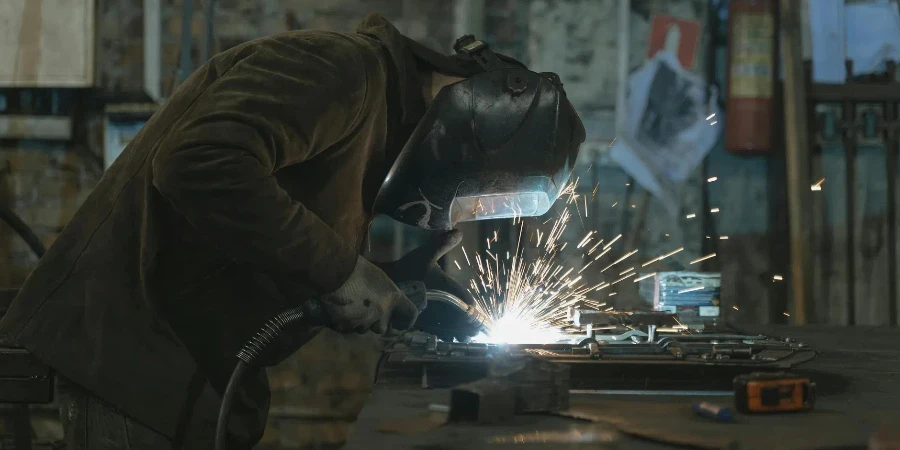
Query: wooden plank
[[55, 128], [47, 43], [819, 249], [871, 290], [797, 149], [743, 255]]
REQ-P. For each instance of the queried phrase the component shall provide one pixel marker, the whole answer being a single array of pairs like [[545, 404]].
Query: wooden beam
[[797, 152]]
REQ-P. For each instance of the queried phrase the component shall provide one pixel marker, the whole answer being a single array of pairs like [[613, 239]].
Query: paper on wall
[[670, 127]]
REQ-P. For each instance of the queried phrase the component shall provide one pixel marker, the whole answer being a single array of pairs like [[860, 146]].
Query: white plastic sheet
[[669, 129]]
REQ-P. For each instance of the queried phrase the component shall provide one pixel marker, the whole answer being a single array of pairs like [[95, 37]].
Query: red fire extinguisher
[[751, 65]]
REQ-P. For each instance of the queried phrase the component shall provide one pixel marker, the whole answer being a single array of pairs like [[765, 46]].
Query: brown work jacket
[[248, 192]]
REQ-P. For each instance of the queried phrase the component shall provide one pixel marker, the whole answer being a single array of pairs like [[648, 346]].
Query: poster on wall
[[679, 36]]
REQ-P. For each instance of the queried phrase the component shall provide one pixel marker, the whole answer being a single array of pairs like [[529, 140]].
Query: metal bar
[[797, 149], [640, 392], [848, 111]]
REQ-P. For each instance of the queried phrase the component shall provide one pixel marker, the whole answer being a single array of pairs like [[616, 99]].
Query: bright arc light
[[515, 330]]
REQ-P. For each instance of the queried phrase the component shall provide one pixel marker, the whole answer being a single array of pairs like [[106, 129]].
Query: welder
[[251, 191]]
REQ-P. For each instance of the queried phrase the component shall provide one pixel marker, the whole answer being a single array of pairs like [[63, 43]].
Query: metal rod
[[797, 149]]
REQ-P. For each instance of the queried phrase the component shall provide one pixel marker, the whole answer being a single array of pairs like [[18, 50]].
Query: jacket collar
[[398, 46]]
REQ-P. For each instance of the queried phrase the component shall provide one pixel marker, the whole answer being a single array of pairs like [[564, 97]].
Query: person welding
[[251, 191]]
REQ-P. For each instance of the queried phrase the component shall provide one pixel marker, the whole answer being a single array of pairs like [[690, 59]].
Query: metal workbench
[[857, 373]]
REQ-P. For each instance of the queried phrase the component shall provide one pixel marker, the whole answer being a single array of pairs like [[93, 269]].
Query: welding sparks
[[644, 277], [723, 238], [586, 239], [523, 298], [623, 258], [703, 258], [691, 216], [711, 179], [818, 185], [777, 278], [710, 116], [660, 258], [786, 314], [714, 210], [735, 308], [457, 265], [612, 242]]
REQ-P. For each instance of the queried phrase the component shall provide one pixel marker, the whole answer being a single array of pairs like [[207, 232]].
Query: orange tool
[[765, 392]]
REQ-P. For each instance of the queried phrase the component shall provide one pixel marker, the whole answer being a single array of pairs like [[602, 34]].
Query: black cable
[[23, 230]]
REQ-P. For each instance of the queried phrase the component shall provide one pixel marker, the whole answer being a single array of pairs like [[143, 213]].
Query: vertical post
[[892, 146], [468, 18], [797, 152], [187, 39], [623, 43]]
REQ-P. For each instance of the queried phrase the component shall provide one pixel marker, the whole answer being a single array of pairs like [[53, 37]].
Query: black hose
[[23, 230], [227, 400], [250, 354]]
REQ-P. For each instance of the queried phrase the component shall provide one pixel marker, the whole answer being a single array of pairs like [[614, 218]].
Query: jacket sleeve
[[281, 105]]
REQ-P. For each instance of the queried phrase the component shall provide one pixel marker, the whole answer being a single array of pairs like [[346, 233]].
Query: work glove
[[421, 264], [368, 300]]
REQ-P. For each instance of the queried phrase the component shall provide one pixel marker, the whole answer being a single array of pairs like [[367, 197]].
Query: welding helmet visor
[[501, 143]]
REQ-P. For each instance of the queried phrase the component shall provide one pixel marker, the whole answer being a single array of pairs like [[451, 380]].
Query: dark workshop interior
[[449, 224]]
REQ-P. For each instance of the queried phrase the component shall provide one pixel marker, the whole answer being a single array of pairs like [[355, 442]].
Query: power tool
[[764, 392]]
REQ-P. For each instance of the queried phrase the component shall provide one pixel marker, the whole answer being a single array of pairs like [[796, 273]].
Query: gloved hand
[[369, 300], [420, 264]]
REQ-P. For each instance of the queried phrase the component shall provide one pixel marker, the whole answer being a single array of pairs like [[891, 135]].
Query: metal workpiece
[[622, 360]]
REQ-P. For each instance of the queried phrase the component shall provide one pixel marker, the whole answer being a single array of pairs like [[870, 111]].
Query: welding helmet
[[501, 143]]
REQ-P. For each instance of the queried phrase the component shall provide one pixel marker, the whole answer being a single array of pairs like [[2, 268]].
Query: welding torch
[[312, 314], [474, 317]]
